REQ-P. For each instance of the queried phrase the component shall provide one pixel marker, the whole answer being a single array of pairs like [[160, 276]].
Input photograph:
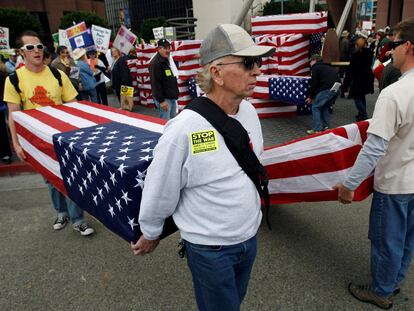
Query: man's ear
[[216, 75]]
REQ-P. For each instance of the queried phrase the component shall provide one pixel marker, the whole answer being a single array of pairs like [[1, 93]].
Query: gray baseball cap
[[229, 39]]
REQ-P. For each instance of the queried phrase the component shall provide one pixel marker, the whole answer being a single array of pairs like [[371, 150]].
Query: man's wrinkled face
[[238, 75]]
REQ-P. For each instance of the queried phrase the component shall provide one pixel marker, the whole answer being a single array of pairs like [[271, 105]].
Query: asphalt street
[[304, 263]]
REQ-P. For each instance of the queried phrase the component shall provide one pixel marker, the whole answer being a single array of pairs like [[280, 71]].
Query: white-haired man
[[214, 203]]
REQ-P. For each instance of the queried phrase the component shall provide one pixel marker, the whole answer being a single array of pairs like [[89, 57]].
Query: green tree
[[89, 18], [17, 21], [290, 6], [148, 24]]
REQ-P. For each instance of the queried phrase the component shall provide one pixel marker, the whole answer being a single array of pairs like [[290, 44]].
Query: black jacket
[[120, 74], [324, 77], [360, 73], [163, 83]]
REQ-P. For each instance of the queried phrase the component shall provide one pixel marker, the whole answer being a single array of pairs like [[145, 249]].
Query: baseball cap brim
[[256, 51]]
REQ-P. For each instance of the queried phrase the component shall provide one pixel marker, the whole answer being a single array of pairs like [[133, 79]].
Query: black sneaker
[[60, 222], [84, 229]]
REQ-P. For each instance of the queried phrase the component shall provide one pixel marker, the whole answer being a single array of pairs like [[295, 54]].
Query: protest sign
[[101, 38], [158, 33], [169, 33], [63, 39], [367, 25], [4, 38], [124, 40], [79, 36]]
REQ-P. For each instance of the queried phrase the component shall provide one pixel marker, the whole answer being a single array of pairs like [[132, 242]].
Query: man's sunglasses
[[394, 44], [31, 47], [248, 62]]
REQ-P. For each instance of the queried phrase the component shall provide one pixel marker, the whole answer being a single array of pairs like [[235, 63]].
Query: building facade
[[49, 12], [143, 9], [117, 12], [390, 12]]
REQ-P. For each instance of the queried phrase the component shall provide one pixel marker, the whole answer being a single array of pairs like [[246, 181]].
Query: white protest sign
[[124, 40], [63, 39], [158, 33], [101, 38], [4, 38], [367, 25]]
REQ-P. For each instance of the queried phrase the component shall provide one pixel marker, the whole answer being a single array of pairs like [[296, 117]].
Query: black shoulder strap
[[14, 80], [238, 141], [56, 74]]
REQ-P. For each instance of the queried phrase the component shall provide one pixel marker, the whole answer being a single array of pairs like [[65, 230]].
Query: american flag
[[103, 169], [98, 156], [292, 90], [306, 169], [305, 23]]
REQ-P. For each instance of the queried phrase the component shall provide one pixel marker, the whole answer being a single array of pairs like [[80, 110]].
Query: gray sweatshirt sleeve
[[373, 149], [162, 187]]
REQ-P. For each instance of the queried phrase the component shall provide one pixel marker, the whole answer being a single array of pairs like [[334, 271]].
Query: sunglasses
[[248, 62], [394, 44], [31, 47]]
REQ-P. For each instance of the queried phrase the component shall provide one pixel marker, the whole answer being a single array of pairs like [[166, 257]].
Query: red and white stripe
[[267, 108], [305, 23], [35, 129], [301, 170], [306, 169]]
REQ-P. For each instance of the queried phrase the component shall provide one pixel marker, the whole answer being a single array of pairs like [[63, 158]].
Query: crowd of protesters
[[88, 71]]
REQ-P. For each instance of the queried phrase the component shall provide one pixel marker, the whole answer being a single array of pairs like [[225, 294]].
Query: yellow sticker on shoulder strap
[[204, 141], [167, 72]]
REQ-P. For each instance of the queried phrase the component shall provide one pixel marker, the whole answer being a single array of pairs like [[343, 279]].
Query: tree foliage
[[289, 6], [18, 21], [148, 24], [89, 18]]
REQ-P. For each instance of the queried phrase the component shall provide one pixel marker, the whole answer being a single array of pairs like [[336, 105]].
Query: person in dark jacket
[[390, 74], [361, 77], [120, 74], [5, 150], [163, 82], [325, 88]]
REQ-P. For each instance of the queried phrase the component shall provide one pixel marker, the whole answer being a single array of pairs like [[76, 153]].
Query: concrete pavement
[[304, 263]]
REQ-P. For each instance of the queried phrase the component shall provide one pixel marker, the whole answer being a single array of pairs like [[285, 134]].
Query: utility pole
[[312, 6]]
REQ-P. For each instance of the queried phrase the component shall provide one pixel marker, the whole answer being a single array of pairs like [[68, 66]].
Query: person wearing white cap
[[11, 63], [214, 203]]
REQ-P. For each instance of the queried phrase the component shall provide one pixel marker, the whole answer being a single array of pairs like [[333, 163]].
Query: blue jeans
[[391, 231], [172, 108], [320, 108], [361, 105], [65, 206], [221, 274], [89, 95]]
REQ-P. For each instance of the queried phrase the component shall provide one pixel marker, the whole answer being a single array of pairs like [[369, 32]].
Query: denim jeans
[[221, 274], [391, 231], [65, 206], [89, 95], [361, 105], [320, 109], [172, 108]]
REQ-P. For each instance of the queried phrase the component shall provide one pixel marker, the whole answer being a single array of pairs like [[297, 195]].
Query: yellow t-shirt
[[39, 89]]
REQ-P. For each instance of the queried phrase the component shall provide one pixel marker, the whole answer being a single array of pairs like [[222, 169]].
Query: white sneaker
[[84, 229], [60, 223]]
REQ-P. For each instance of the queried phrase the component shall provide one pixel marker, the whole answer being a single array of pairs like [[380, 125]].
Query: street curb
[[16, 168]]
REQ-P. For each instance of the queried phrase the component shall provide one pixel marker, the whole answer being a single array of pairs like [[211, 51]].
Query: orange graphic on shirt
[[40, 97]]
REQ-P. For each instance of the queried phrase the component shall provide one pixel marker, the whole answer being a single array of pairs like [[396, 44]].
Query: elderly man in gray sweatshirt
[[214, 203]]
